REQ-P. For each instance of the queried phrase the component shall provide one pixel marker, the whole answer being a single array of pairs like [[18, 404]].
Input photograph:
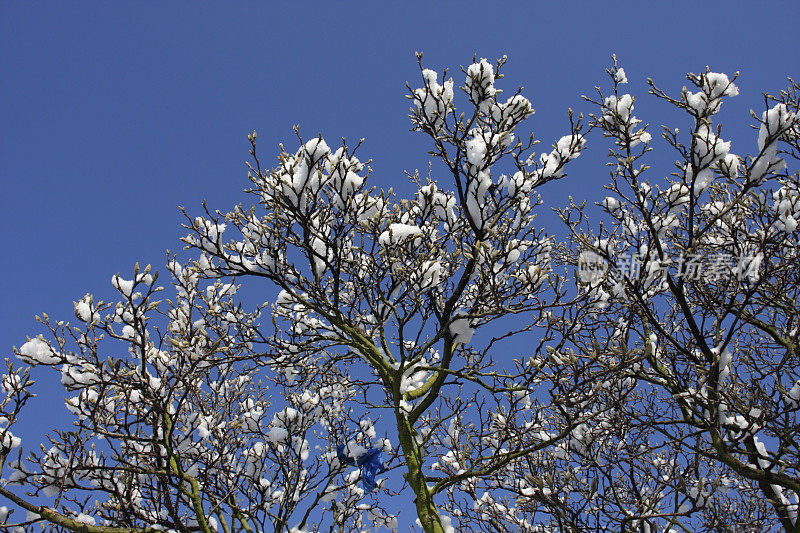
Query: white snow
[[435, 100], [714, 86], [447, 524], [277, 434], [794, 393], [316, 149], [85, 519], [677, 195], [717, 84], [477, 186], [8, 441], [787, 208], [476, 150], [566, 148], [708, 147], [480, 81], [429, 274], [301, 447], [37, 351], [461, 331], [397, 233], [515, 108], [85, 311], [611, 203], [620, 107], [123, 285], [775, 122], [440, 204], [724, 367], [413, 379]]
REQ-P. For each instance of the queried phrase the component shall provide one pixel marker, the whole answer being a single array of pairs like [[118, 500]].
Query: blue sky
[[115, 113]]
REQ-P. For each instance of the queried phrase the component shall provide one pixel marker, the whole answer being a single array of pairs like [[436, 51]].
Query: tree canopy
[[660, 390]]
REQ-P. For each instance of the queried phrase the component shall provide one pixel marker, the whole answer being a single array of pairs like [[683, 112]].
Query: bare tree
[[660, 390], [697, 279], [391, 314], [178, 433]]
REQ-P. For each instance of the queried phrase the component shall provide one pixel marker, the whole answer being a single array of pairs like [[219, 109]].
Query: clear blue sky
[[115, 113]]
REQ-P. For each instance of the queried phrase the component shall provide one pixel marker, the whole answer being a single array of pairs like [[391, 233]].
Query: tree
[[698, 287], [391, 318], [378, 303]]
